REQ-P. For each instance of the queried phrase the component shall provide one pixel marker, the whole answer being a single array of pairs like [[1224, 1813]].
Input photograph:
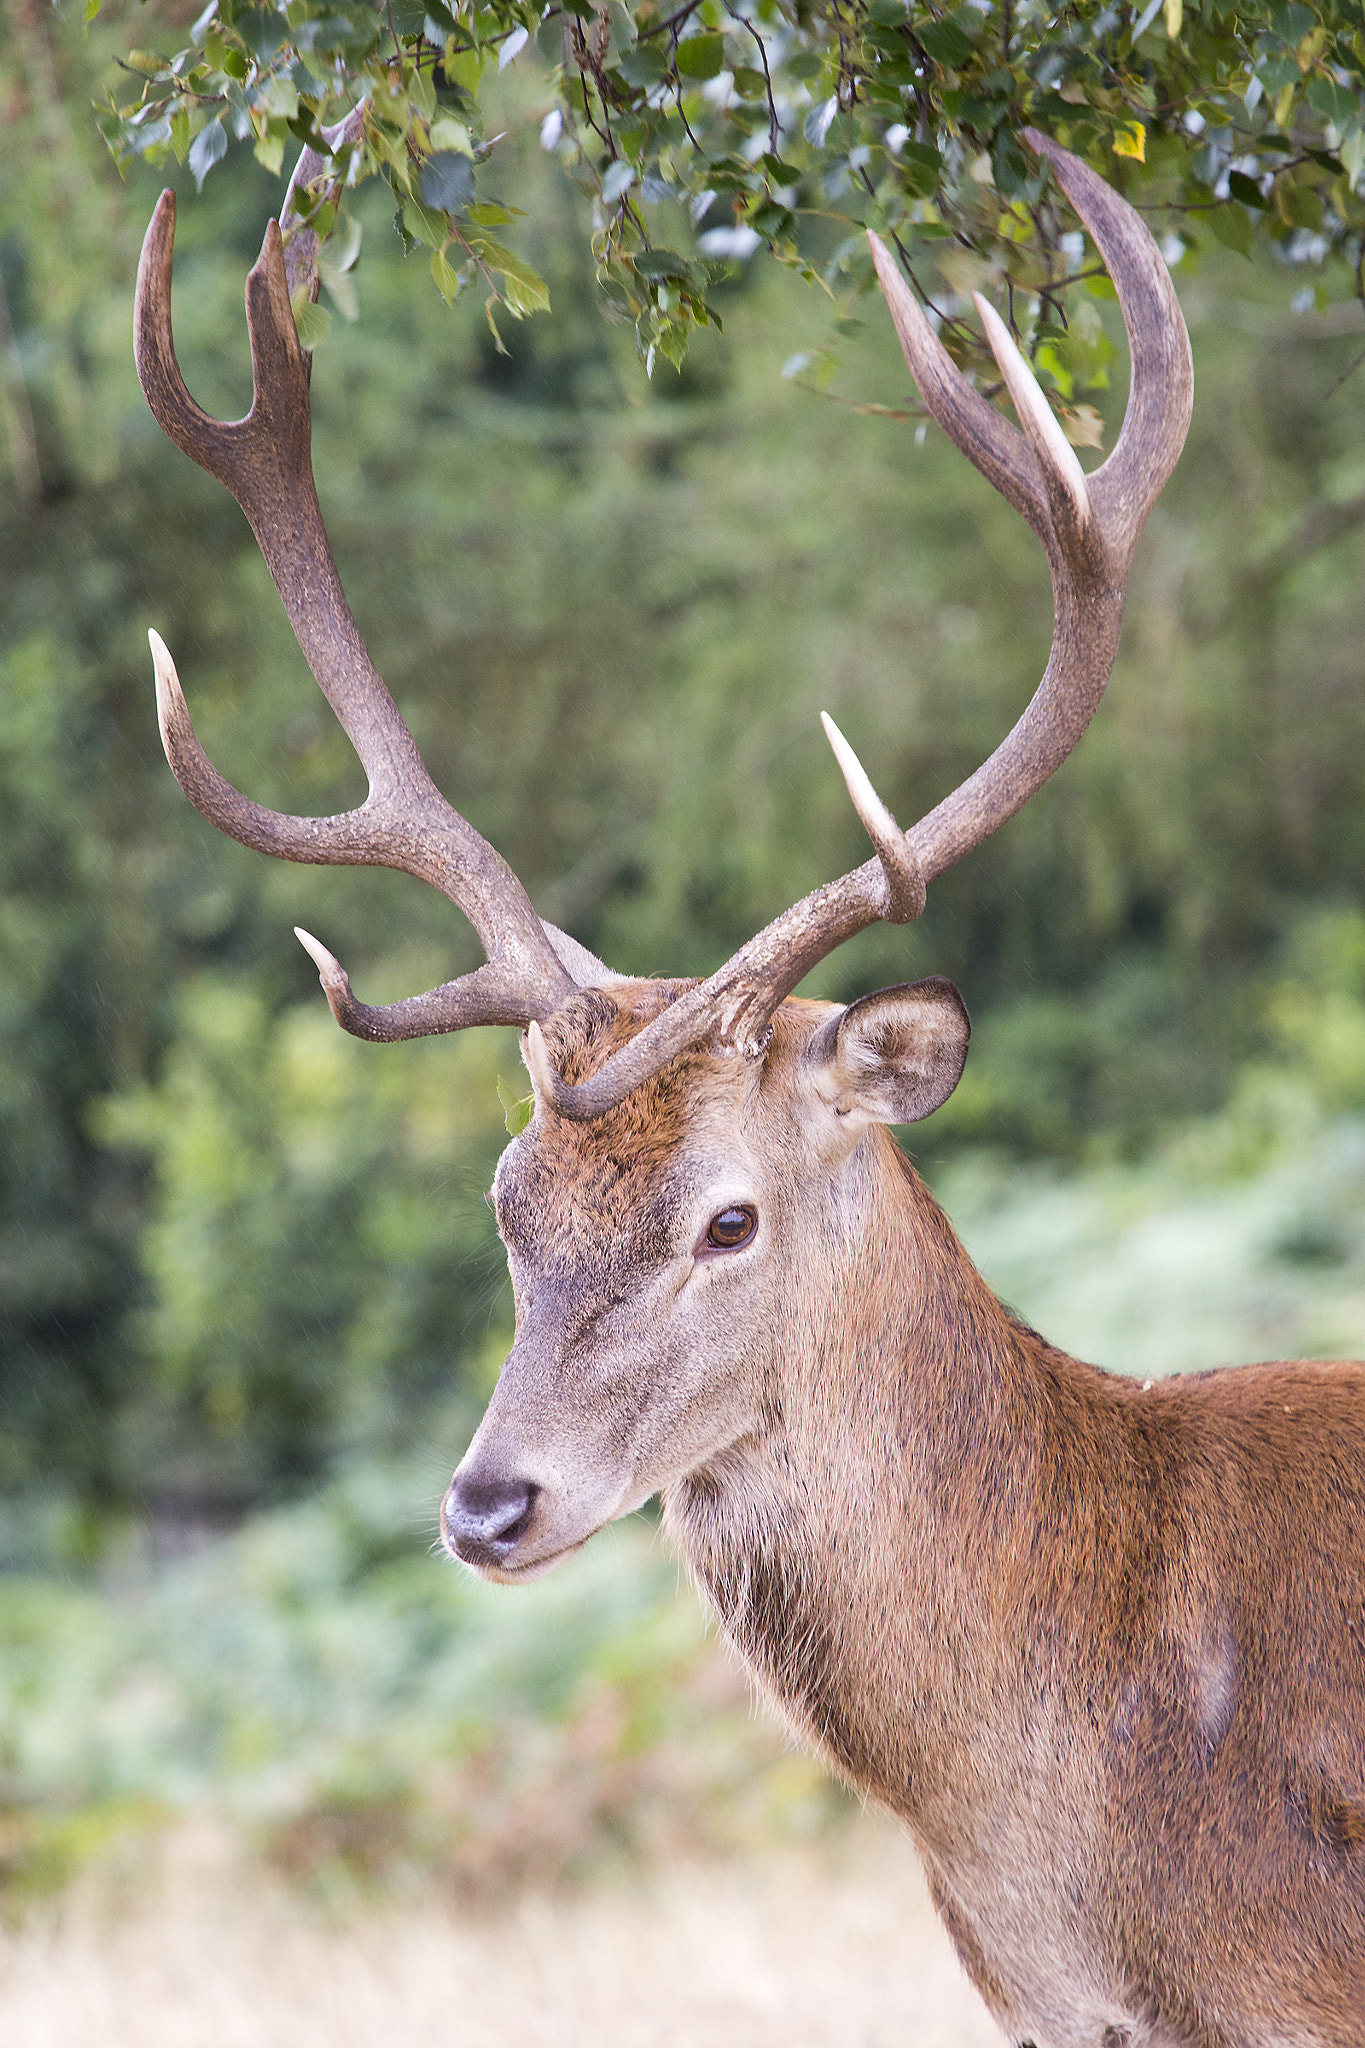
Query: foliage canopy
[[722, 125]]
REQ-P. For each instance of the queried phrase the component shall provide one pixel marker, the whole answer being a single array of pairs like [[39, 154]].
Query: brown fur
[[1101, 1647]]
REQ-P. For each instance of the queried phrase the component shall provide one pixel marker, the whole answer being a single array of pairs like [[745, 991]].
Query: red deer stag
[[1100, 1645]]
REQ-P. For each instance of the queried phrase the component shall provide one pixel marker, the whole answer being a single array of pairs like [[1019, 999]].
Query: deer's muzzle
[[483, 1520]]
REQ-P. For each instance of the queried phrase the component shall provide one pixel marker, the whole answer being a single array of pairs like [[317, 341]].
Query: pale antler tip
[[904, 881], [546, 1081], [170, 698], [866, 802], [1036, 416], [331, 973]]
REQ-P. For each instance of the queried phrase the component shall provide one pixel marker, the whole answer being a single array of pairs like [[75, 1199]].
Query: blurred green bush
[[357, 1713]]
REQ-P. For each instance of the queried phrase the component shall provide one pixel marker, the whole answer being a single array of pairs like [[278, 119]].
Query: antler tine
[[405, 822], [1088, 526], [1161, 382], [971, 423]]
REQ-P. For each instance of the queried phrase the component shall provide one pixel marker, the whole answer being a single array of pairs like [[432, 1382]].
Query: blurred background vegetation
[[249, 1285]]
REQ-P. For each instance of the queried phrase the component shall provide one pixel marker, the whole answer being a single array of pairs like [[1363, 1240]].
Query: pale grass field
[[839, 1949]]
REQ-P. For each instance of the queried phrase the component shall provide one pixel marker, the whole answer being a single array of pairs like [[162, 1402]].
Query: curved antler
[[1088, 526], [265, 461]]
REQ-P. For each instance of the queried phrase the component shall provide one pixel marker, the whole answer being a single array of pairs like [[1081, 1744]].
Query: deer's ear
[[892, 1057]]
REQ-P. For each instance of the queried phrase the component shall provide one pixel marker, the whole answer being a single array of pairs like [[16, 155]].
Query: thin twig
[[1345, 376], [672, 21], [774, 126]]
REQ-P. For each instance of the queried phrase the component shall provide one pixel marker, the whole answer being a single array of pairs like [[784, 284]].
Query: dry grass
[[831, 1950]]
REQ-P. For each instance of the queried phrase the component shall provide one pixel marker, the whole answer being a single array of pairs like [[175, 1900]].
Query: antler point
[[1036, 416], [329, 968], [545, 1079], [866, 802], [170, 698], [905, 884], [336, 982]]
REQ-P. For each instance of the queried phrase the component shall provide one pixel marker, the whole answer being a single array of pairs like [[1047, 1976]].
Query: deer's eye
[[730, 1229]]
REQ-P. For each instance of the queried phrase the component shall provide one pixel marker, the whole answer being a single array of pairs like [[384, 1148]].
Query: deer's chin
[[513, 1574]]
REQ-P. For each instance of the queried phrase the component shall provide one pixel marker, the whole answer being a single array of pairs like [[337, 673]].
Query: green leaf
[[208, 148], [448, 133], [1352, 155], [269, 150], [517, 1110], [660, 263], [305, 127], [619, 178], [944, 42], [522, 298], [773, 222], [1009, 166], [465, 69], [447, 181], [922, 153], [340, 288], [447, 279], [817, 122], [314, 323], [431, 227], [1246, 189], [643, 67], [281, 97], [1300, 205], [262, 30], [1335, 102], [343, 246], [1232, 225], [526, 289], [491, 213], [700, 56]]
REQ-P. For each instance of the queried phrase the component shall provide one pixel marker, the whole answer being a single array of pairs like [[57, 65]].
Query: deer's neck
[[918, 1486]]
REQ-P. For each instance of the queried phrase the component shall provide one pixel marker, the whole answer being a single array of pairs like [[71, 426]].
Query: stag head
[[691, 1140]]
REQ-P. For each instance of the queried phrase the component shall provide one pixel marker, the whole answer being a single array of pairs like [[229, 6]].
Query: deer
[[1099, 1645]]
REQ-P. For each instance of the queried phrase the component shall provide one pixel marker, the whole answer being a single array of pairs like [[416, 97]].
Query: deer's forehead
[[543, 1184], [635, 1177]]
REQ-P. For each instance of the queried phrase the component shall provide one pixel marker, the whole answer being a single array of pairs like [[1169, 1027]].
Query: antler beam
[[1088, 526]]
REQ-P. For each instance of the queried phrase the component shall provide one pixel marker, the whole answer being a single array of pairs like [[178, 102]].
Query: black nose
[[483, 1520]]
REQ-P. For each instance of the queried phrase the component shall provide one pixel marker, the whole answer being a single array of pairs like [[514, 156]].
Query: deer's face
[[659, 1253]]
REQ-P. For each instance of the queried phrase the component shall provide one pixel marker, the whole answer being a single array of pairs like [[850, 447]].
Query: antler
[[1088, 525], [405, 822]]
